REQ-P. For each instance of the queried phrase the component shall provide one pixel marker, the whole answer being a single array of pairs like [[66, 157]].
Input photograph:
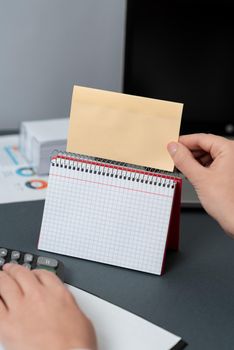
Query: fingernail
[[6, 266], [172, 148]]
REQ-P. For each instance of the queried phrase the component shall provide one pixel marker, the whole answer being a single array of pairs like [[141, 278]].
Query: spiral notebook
[[110, 212]]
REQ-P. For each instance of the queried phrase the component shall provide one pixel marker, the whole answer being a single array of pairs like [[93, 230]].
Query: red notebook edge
[[173, 237]]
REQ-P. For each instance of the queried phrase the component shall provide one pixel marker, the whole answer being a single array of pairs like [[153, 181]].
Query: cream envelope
[[122, 127]]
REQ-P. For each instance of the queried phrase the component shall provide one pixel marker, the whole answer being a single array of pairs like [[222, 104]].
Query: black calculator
[[31, 261]]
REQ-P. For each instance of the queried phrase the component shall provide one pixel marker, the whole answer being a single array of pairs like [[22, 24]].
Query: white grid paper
[[106, 219]]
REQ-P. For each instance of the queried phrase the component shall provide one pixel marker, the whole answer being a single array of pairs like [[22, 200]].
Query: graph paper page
[[111, 218]]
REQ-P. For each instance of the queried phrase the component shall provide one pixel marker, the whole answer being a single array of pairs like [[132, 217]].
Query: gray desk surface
[[193, 299]]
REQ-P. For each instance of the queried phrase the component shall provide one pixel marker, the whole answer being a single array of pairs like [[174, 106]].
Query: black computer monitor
[[183, 51]]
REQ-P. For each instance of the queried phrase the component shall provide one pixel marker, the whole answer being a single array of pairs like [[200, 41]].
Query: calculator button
[[15, 255], [28, 258], [27, 265], [13, 262], [44, 261], [3, 252], [2, 261]]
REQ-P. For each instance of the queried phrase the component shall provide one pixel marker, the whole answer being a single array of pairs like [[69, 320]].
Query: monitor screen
[[183, 51]]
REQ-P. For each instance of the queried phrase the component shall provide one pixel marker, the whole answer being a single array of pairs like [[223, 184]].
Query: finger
[[3, 315], [50, 280], [10, 291], [47, 278], [24, 277], [3, 308], [185, 162], [208, 142]]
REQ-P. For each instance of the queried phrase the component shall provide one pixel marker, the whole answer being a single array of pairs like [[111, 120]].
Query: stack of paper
[[38, 139]]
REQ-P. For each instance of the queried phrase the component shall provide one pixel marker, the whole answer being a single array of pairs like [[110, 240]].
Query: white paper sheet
[[18, 181], [118, 329]]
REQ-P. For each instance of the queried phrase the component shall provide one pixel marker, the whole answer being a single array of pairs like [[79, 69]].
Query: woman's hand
[[38, 312], [208, 163]]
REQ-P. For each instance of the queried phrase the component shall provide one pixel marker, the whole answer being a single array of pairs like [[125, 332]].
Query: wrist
[[227, 223]]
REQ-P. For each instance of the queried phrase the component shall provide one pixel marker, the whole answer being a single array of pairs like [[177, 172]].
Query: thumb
[[185, 162]]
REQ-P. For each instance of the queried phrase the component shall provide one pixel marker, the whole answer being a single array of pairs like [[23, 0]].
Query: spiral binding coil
[[113, 169]]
